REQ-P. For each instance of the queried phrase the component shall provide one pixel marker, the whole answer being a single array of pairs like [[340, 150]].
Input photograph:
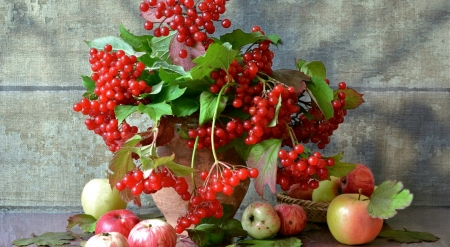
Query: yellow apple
[[97, 198]]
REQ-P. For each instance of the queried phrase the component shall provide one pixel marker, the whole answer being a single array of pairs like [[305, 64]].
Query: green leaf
[[123, 111], [282, 242], [89, 84], [314, 69], [155, 110], [387, 198], [274, 120], [116, 43], [160, 47], [239, 38], [217, 56], [183, 106], [122, 162], [264, 157], [50, 239], [353, 99], [340, 168], [233, 229], [168, 93], [404, 236], [178, 169], [215, 233], [200, 238], [321, 93], [139, 43], [163, 65], [85, 221], [208, 104]]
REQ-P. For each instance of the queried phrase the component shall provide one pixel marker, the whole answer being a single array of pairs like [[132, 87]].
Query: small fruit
[[293, 219], [327, 190], [152, 232], [97, 198], [260, 220], [107, 239], [349, 221], [360, 178], [295, 191], [121, 220]]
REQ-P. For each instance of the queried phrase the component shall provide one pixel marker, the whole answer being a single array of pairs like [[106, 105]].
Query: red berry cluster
[[297, 167], [159, 178], [263, 112], [193, 20], [317, 129], [222, 135], [205, 203], [116, 82]]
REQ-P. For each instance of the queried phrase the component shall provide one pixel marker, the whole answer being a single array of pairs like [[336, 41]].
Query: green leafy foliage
[[123, 111], [160, 47], [138, 43], [282, 242], [184, 106], [122, 161], [177, 169], [239, 38], [85, 221], [405, 236], [353, 99], [387, 198], [211, 230], [156, 110], [89, 84], [116, 42], [50, 239], [313, 69], [321, 93], [217, 56], [211, 105], [340, 168], [264, 157]]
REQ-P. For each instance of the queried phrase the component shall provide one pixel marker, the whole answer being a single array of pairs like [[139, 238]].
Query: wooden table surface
[[435, 220]]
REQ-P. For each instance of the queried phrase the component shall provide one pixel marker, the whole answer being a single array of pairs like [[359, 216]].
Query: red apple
[[293, 218], [260, 220], [121, 220], [152, 232], [349, 221], [298, 193], [107, 239], [360, 178]]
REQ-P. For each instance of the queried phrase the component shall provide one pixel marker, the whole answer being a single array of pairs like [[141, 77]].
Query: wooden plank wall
[[394, 52]]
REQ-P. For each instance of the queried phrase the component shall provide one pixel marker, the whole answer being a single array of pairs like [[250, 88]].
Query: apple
[[349, 221], [121, 220], [327, 190], [298, 193], [152, 232], [107, 239], [359, 178], [260, 220], [293, 218], [97, 198]]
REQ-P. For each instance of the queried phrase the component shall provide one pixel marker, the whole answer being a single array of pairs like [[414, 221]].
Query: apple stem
[[359, 196]]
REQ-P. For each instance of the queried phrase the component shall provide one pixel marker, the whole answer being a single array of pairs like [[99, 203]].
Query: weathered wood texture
[[395, 52]]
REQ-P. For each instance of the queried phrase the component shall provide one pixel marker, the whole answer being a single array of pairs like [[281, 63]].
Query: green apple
[[349, 221], [260, 220], [97, 198], [327, 190]]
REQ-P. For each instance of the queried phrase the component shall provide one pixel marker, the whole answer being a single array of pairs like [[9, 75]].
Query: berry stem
[[193, 162]]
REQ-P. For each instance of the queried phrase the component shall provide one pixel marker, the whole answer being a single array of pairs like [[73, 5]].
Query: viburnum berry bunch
[[272, 117]]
